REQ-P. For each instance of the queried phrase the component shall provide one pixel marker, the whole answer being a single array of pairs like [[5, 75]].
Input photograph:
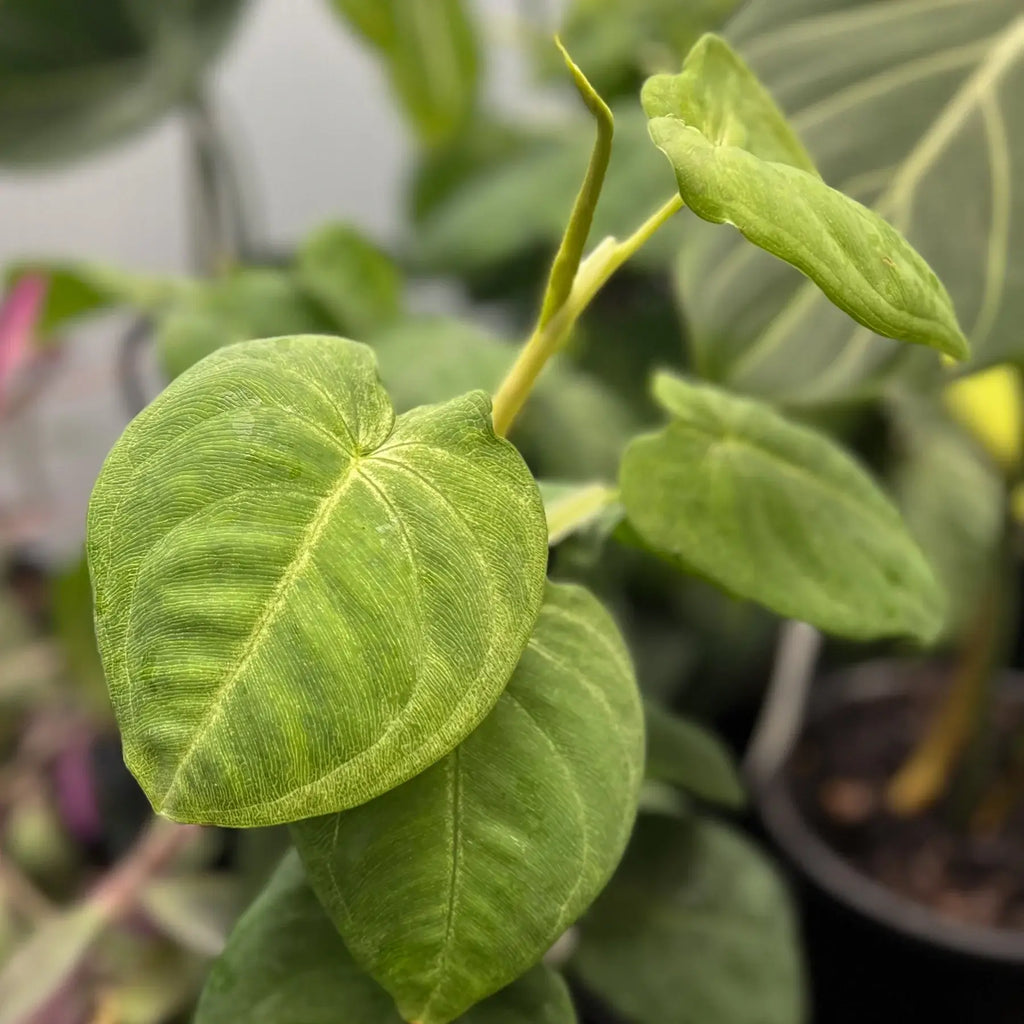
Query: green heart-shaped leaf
[[736, 162], [302, 601], [695, 927], [449, 887], [776, 513], [286, 964]]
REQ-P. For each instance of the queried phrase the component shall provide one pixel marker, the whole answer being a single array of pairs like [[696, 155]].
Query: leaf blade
[[333, 546], [531, 812]]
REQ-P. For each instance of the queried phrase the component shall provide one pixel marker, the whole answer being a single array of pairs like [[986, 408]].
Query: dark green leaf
[[776, 513], [695, 927], [451, 886], [915, 109], [725, 141], [302, 601], [688, 755], [285, 964], [77, 77]]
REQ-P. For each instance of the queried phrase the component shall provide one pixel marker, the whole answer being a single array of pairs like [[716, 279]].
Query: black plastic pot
[[875, 955]]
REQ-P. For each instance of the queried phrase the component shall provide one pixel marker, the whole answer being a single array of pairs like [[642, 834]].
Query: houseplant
[[450, 760]]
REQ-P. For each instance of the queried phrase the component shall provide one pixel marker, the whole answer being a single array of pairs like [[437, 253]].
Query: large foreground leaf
[[777, 513], [300, 600], [914, 107], [454, 884], [737, 162], [286, 964], [75, 77], [695, 927]]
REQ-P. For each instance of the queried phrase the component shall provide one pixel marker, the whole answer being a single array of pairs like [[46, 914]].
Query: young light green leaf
[[302, 601], [571, 508], [286, 964], [729, 172], [776, 513], [915, 109], [717, 94], [353, 280], [454, 884], [695, 927], [688, 755], [429, 49]]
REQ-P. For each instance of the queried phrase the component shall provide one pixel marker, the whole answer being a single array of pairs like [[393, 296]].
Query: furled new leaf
[[917, 110], [286, 964], [686, 754], [737, 162], [695, 927], [776, 513], [451, 886], [429, 50], [574, 508], [302, 601]]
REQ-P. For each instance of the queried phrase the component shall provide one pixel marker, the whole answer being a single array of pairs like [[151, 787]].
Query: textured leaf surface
[[738, 163], [429, 50], [300, 600], [914, 107], [77, 77], [776, 513], [690, 756], [695, 927], [452, 885], [286, 964]]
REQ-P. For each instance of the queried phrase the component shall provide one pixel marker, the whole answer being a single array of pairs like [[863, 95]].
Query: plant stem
[[924, 776], [548, 337]]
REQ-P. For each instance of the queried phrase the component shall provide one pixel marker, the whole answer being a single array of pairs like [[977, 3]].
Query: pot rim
[[836, 876]]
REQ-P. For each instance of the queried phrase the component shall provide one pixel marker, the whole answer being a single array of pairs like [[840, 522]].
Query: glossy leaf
[[917, 110], [75, 78], [776, 513], [695, 927], [451, 886], [286, 964], [353, 280], [429, 50], [690, 756], [310, 600], [725, 141]]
